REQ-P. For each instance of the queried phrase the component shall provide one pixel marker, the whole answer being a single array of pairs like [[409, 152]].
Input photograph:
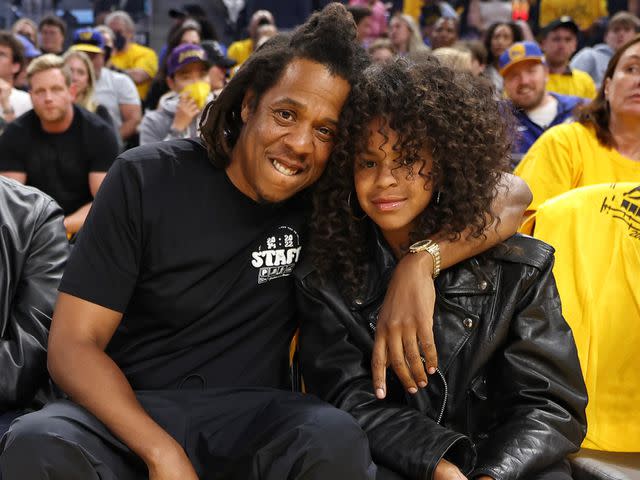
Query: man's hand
[[173, 465], [186, 111], [484, 477], [404, 331], [447, 471]]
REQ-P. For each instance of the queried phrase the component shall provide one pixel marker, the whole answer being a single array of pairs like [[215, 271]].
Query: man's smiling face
[[286, 140]]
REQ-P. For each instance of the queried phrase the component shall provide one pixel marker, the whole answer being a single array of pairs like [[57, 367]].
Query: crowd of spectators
[[563, 75]]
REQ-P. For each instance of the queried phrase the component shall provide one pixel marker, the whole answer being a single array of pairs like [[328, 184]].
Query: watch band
[[433, 249]]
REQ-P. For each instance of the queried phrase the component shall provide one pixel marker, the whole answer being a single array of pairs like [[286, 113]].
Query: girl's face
[[79, 74], [399, 33], [501, 39], [190, 36], [391, 195]]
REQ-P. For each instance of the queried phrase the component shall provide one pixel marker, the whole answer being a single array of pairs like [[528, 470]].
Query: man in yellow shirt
[[559, 42], [137, 61], [602, 146]]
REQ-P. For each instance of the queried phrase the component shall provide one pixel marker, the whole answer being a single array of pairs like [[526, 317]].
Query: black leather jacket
[[508, 399], [33, 252]]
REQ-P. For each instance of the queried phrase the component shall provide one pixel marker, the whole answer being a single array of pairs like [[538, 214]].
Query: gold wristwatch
[[433, 249]]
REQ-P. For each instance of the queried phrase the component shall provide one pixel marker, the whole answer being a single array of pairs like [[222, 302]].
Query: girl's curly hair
[[450, 113]]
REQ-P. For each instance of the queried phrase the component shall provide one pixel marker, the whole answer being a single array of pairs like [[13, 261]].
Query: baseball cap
[[519, 52], [88, 40], [215, 54], [565, 21], [185, 54], [30, 51]]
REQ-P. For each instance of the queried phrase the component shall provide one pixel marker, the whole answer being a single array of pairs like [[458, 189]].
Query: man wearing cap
[[13, 102], [179, 110], [525, 74], [594, 60], [559, 42], [115, 90]]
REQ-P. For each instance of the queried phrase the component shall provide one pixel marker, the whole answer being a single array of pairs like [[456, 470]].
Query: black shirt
[[59, 163], [199, 270]]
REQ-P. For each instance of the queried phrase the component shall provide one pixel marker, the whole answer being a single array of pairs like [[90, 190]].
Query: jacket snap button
[[483, 285], [467, 322], [358, 301]]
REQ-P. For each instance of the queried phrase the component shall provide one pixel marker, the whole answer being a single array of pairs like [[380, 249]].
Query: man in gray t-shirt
[[113, 90]]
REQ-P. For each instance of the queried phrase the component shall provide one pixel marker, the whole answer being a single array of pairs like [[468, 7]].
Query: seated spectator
[[379, 13], [362, 16], [559, 42], [445, 33], [13, 102], [27, 28], [478, 55], [220, 65], [497, 39], [381, 50], [187, 32], [404, 34], [508, 398], [114, 90], [34, 251], [240, 50], [602, 146], [621, 28], [525, 74], [52, 31], [137, 61], [84, 80], [30, 52], [58, 147], [596, 233], [179, 111]]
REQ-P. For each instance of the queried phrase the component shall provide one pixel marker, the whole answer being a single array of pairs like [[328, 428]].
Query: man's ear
[[247, 105], [15, 68]]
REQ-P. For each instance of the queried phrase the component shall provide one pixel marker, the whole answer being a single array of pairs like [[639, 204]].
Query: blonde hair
[[84, 99], [454, 58], [415, 40], [49, 61]]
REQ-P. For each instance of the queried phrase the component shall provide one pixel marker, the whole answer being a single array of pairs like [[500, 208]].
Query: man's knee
[[339, 443], [35, 448]]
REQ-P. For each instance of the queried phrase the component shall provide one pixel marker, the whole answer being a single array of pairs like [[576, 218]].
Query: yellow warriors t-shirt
[[583, 12], [137, 56], [569, 156], [573, 82], [596, 233]]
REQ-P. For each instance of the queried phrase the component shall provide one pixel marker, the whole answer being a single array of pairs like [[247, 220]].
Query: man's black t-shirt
[[199, 270], [59, 163]]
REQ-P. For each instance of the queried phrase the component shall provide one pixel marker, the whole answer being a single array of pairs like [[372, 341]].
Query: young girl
[[508, 399], [84, 79]]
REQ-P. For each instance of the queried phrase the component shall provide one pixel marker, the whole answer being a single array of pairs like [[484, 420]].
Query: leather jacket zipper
[[444, 381]]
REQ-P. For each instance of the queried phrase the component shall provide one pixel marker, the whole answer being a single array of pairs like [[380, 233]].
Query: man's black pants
[[227, 433]]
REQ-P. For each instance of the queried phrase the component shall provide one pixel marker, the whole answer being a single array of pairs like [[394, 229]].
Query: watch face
[[420, 245]]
